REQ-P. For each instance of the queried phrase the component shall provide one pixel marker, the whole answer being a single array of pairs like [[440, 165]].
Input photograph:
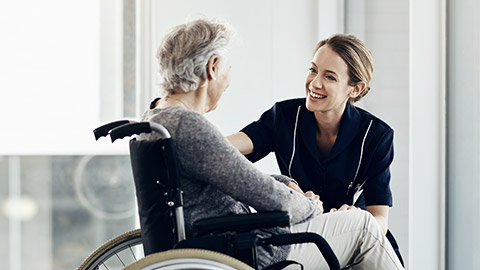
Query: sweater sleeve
[[209, 157], [283, 179]]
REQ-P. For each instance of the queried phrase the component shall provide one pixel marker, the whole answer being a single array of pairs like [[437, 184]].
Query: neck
[[328, 123], [194, 100], [177, 101]]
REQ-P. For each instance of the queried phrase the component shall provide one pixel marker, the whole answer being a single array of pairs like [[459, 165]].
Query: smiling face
[[327, 83]]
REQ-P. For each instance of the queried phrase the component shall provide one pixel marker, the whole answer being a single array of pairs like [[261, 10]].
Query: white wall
[[427, 131], [463, 227]]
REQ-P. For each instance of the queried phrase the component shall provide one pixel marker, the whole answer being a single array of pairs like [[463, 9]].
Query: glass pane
[[67, 206]]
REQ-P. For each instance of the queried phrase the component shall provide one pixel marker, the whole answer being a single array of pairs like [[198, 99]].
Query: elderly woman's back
[[217, 180]]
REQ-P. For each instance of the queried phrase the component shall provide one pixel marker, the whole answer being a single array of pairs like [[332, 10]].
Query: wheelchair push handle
[[104, 130], [130, 129]]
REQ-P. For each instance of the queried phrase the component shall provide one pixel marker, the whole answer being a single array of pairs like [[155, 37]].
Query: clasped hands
[[316, 198]]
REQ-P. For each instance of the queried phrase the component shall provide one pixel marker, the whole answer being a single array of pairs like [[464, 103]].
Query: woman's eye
[[312, 69], [331, 78]]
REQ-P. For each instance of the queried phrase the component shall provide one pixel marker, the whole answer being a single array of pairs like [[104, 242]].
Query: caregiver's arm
[[380, 212], [242, 142]]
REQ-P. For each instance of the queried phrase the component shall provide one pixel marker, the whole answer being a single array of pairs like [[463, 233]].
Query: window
[[66, 68]]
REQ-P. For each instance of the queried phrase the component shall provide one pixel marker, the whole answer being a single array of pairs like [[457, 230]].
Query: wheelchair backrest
[[153, 189]]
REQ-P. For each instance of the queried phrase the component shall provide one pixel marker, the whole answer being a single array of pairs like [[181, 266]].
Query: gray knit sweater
[[218, 180]]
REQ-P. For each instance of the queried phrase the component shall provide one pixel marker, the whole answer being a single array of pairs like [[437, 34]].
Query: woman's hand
[[308, 194], [344, 207], [315, 198], [295, 187]]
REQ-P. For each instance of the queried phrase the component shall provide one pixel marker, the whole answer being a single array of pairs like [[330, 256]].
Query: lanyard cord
[[359, 161], [294, 140], [361, 157]]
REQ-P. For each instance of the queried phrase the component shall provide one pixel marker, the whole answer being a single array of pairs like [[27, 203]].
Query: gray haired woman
[[218, 180]]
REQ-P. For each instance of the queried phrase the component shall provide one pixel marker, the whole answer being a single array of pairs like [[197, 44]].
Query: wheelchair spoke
[[133, 254], [104, 265], [116, 254]]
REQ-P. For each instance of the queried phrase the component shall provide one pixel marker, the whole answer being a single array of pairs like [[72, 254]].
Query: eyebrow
[[331, 71], [328, 71]]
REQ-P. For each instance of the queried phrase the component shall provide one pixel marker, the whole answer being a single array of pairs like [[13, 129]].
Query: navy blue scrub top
[[340, 175]]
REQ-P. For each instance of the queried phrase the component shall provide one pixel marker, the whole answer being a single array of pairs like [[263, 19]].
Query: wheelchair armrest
[[241, 222], [296, 238]]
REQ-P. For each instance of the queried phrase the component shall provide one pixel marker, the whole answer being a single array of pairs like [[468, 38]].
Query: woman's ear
[[358, 89], [212, 67]]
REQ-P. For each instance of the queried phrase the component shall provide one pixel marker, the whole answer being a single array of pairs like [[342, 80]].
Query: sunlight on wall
[[48, 75]]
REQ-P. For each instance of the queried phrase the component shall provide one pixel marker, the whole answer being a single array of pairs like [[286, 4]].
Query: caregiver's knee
[[370, 223], [361, 217]]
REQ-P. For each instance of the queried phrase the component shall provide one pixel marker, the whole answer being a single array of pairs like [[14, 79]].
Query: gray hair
[[184, 52]]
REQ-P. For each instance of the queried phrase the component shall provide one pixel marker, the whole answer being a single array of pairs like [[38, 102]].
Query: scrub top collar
[[349, 125]]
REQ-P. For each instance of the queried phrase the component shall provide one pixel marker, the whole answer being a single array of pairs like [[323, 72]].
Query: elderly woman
[[218, 180]]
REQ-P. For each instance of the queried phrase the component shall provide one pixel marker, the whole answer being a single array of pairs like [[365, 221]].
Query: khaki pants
[[355, 237]]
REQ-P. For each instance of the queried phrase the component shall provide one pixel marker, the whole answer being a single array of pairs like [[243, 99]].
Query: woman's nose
[[316, 82]]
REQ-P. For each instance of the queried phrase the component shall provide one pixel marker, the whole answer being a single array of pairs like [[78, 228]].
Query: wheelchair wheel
[[116, 253], [197, 259]]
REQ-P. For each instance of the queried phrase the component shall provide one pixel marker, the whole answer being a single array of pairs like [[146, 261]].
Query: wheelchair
[[226, 242], [116, 253]]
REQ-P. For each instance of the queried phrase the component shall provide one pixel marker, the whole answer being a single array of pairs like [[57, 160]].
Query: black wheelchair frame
[[160, 205]]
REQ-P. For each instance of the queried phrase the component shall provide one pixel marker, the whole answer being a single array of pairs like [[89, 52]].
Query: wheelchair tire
[[188, 259], [113, 247]]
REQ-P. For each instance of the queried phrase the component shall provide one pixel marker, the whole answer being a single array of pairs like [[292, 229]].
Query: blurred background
[[67, 67]]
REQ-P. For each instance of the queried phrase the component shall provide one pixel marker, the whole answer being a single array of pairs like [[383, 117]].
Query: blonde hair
[[357, 57], [184, 52]]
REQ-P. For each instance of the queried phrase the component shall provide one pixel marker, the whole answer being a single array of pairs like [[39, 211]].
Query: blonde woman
[[327, 144]]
